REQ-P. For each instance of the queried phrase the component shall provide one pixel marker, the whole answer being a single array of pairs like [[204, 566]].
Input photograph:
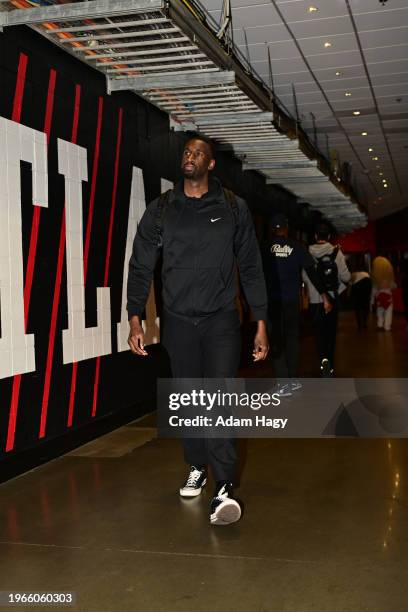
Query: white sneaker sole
[[229, 511], [192, 492]]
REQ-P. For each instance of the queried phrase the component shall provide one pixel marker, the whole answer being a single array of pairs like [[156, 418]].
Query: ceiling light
[[327, 44], [356, 113], [374, 158], [381, 174], [384, 180], [385, 186], [370, 150], [338, 73], [347, 94], [313, 9], [364, 133]]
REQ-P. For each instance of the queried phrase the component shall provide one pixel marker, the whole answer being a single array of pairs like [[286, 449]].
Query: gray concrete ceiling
[[367, 59]]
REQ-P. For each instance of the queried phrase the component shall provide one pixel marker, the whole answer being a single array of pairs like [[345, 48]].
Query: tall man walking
[[205, 233]]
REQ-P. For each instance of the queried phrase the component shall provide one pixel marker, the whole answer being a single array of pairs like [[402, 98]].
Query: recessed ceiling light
[[338, 73], [381, 174], [384, 180], [385, 186], [364, 133], [327, 44], [356, 113], [347, 94], [370, 150], [374, 158], [313, 9]]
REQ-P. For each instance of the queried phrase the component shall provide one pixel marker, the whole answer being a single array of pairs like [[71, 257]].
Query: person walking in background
[[332, 270], [360, 283], [205, 233], [383, 280], [284, 259]]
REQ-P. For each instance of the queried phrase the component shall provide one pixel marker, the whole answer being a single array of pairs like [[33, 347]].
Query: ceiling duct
[[174, 54]]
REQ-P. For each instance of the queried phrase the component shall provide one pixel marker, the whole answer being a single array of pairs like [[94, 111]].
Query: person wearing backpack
[[204, 233], [332, 270]]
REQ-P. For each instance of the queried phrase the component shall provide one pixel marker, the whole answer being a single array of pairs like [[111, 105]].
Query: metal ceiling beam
[[138, 34], [297, 165], [171, 81], [256, 117], [306, 180], [258, 147], [78, 10], [109, 25], [192, 27], [131, 45]]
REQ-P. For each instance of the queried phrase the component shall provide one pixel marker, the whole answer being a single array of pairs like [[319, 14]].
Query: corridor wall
[[76, 168]]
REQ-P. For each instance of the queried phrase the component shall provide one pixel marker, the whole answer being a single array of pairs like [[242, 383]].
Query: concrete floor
[[325, 526]]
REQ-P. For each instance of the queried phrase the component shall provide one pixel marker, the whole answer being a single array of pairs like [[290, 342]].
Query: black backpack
[[164, 200], [326, 269]]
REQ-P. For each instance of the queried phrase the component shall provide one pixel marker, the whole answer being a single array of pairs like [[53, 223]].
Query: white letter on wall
[[80, 342], [136, 210], [17, 142]]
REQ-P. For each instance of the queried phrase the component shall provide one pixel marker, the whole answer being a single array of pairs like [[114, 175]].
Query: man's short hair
[[207, 141], [323, 231]]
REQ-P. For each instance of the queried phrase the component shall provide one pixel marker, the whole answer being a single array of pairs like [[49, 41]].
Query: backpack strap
[[334, 252], [232, 201], [161, 207]]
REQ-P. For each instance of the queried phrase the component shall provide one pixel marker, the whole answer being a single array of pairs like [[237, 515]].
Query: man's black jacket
[[203, 240]]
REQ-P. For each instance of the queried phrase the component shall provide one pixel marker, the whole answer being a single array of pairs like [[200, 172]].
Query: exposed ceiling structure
[[347, 61], [258, 105]]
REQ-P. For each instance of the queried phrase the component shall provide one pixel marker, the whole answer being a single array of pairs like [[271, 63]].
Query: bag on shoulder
[[327, 271]]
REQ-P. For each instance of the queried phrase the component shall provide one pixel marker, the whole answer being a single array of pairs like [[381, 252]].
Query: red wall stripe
[[16, 116], [93, 187], [75, 122], [37, 209], [50, 104], [53, 326], [34, 229], [95, 168], [57, 287], [114, 194], [109, 244], [20, 86]]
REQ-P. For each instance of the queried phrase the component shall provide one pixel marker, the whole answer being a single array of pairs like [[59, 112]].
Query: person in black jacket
[[284, 259], [203, 240]]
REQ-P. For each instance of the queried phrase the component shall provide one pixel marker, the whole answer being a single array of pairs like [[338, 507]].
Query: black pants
[[360, 295], [210, 348], [283, 332], [325, 326]]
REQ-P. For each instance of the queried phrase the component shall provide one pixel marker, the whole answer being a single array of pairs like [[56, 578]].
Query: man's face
[[197, 160]]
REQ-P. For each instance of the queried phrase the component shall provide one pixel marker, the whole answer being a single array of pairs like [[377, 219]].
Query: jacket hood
[[319, 250]]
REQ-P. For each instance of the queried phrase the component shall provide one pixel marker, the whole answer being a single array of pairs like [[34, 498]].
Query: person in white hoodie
[[332, 269]]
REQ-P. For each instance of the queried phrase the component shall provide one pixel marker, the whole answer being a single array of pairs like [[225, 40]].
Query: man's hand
[[261, 343], [136, 337], [327, 303]]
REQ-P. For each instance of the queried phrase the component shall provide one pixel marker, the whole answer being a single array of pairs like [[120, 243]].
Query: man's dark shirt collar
[[213, 194]]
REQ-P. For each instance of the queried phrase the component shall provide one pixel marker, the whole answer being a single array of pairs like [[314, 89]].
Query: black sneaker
[[325, 368], [224, 509], [194, 483]]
